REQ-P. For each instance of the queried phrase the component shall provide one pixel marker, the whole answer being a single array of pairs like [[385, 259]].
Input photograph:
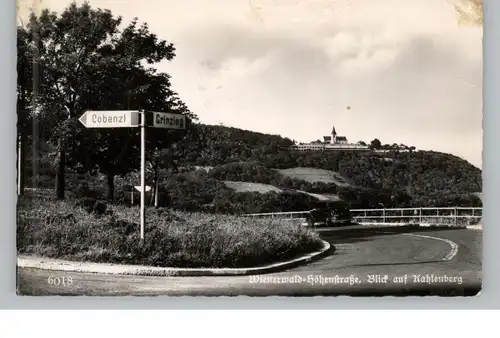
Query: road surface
[[366, 262]]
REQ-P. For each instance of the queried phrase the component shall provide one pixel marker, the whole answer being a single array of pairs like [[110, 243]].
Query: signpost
[[143, 172], [110, 119], [139, 188], [130, 119], [168, 120]]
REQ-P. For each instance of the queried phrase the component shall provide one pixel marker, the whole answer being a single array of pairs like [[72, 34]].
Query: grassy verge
[[63, 229]]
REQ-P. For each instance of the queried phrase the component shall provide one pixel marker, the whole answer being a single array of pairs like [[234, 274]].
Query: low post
[[383, 215], [456, 216], [420, 215], [157, 184]]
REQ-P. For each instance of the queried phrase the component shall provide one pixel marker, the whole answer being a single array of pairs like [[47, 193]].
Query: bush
[[172, 238], [92, 206], [82, 190]]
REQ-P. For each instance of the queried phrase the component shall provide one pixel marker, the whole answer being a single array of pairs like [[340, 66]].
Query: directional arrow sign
[[139, 188], [169, 120], [110, 118]]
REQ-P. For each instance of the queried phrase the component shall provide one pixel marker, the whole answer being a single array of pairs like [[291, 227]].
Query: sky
[[403, 71]]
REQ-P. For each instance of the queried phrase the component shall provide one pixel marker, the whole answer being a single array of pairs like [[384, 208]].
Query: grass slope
[[265, 188], [313, 175], [61, 229], [251, 187]]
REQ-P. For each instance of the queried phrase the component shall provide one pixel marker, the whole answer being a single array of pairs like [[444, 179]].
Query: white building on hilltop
[[335, 139], [333, 142]]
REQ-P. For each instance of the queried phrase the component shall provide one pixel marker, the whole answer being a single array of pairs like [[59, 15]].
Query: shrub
[[92, 206], [82, 190]]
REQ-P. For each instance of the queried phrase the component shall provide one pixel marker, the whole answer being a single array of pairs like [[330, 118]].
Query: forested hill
[[416, 178], [253, 172]]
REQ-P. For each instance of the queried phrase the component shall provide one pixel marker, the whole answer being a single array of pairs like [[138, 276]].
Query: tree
[[63, 47], [24, 97], [376, 144], [88, 63], [213, 143]]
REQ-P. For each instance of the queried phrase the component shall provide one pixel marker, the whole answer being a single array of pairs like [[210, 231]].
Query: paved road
[[367, 262]]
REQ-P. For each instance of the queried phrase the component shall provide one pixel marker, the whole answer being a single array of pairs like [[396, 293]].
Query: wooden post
[[156, 191], [20, 164], [61, 161]]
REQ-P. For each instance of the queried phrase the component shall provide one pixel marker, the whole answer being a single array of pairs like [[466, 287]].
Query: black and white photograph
[[293, 148]]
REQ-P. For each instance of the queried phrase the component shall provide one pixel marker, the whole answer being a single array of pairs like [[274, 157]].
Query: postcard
[[249, 148]]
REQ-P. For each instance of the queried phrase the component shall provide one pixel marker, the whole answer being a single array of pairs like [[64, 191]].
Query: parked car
[[331, 213]]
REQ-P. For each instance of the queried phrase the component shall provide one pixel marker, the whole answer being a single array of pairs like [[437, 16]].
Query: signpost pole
[[143, 168], [19, 164]]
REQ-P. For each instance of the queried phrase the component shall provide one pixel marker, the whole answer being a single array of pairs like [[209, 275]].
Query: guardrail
[[282, 215], [38, 191], [443, 215], [298, 217]]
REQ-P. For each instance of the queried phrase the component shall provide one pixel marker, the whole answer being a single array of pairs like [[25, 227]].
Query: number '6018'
[[60, 281]]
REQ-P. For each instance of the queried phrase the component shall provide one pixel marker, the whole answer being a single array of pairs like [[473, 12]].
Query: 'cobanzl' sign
[[169, 121], [110, 118]]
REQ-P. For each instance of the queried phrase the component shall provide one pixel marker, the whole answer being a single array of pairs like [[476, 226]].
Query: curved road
[[367, 262]]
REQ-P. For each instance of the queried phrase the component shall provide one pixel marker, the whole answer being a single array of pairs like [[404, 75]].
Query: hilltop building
[[331, 142], [334, 138]]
